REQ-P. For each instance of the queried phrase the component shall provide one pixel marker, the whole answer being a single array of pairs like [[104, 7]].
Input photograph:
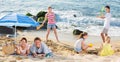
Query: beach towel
[[106, 50]]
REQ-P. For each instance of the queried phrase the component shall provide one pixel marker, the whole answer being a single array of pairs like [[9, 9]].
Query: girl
[[23, 47], [50, 16], [106, 48], [80, 43]]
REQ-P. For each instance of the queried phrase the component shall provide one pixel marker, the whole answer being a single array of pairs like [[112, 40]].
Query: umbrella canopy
[[17, 20], [14, 19]]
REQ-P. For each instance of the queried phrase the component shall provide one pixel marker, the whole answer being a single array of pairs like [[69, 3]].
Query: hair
[[37, 38], [49, 7], [107, 7], [83, 34], [24, 39], [107, 39]]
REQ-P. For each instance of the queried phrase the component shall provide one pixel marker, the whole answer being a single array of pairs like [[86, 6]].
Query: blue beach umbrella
[[20, 20]]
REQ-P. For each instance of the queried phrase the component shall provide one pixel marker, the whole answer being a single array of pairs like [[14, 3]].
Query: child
[[23, 47], [50, 16], [107, 18], [40, 48], [80, 43], [106, 48]]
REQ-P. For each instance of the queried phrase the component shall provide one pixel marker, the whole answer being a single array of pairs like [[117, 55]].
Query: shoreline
[[68, 37]]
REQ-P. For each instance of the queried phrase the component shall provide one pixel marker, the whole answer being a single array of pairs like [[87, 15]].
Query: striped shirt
[[51, 18]]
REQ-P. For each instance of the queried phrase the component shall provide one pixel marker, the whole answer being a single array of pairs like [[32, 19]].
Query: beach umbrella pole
[[15, 33]]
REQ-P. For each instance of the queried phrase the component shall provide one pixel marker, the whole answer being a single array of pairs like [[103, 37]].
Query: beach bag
[[8, 48], [106, 50]]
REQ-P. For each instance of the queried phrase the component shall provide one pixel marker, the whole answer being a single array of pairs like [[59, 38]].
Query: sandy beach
[[63, 52], [67, 15]]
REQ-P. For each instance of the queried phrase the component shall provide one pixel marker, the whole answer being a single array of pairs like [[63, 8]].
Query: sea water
[[73, 14]]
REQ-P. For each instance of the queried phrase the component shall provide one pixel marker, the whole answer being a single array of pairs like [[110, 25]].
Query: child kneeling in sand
[[39, 48], [106, 48], [80, 45], [23, 47]]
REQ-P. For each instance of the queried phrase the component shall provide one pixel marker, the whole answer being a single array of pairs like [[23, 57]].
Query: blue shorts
[[78, 49], [51, 26]]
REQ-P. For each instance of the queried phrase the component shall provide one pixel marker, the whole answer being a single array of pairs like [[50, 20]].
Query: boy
[[107, 18], [40, 47]]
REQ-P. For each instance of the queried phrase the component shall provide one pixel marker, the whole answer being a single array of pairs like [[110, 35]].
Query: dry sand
[[63, 52]]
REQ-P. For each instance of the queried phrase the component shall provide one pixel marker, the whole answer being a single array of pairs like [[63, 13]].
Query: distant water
[[84, 10]]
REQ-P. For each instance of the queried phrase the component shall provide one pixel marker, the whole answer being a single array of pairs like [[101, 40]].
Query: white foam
[[92, 25]]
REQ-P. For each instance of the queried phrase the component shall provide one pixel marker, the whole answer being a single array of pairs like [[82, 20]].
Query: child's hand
[[34, 55], [41, 56], [40, 26]]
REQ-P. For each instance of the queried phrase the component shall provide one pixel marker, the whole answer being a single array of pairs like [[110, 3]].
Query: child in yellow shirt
[[106, 48]]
